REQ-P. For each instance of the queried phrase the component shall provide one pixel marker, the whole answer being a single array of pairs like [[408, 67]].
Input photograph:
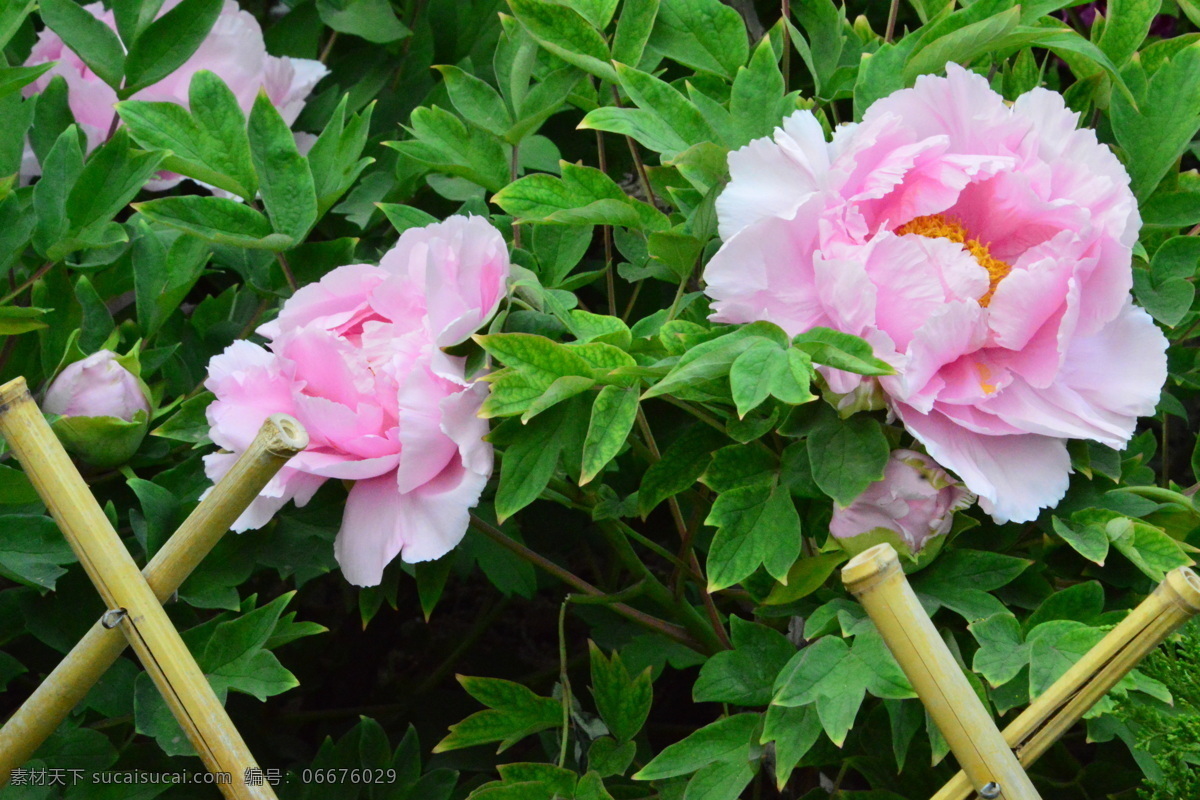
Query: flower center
[[939, 226]]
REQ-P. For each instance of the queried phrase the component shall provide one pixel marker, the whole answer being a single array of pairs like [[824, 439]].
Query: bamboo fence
[[134, 604], [875, 578]]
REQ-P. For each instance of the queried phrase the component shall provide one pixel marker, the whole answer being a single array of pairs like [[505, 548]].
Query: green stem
[[564, 682]]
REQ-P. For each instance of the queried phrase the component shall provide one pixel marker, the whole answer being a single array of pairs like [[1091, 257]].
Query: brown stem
[[710, 608], [333, 37], [25, 284], [676, 632], [287, 271], [606, 232], [891, 23], [637, 159]]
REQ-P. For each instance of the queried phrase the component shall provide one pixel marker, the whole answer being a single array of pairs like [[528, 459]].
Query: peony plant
[[617, 329]]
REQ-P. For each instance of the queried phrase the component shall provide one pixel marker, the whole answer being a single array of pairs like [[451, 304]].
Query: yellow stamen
[[939, 226], [985, 375]]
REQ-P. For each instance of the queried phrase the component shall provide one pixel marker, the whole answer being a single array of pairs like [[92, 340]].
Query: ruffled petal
[[1014, 476]]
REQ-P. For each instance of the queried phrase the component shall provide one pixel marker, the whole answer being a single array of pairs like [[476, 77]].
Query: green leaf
[[335, 157], [209, 144], [34, 552], [767, 369], [582, 196], [961, 579], [216, 219], [285, 181], [714, 358], [703, 34], [188, 423], [234, 657], [598, 12], [1054, 648], [744, 676], [113, 176], [168, 42], [561, 389], [758, 102], [724, 780], [514, 712], [623, 700], [607, 758], [1156, 134], [726, 740], [681, 465], [13, 79], [60, 170], [535, 355], [373, 20], [476, 100], [529, 461], [665, 102], [12, 14], [446, 144], [21, 319], [1090, 541], [829, 675], [566, 34], [1002, 651], [841, 351], [805, 577], [613, 414], [794, 731], [93, 41], [166, 266], [1126, 23], [847, 456], [756, 524], [1149, 548], [633, 30], [961, 45]]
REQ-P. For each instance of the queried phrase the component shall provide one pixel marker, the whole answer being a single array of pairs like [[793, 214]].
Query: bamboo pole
[[279, 438], [1051, 714], [133, 607], [875, 578]]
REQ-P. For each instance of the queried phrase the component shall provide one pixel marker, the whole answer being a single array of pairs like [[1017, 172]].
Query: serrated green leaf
[[514, 712]]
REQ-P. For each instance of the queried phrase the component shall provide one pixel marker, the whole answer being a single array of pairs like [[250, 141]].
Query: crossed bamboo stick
[[134, 598], [993, 762]]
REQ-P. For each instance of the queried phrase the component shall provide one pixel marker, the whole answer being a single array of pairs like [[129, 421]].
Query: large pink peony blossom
[[233, 49], [983, 250], [356, 358]]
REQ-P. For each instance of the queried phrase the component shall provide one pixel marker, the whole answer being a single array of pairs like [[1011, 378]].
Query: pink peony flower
[[916, 500], [97, 386], [234, 50], [983, 250], [356, 358]]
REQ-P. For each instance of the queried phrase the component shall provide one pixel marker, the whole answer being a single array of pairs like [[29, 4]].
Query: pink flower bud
[[916, 500], [97, 386]]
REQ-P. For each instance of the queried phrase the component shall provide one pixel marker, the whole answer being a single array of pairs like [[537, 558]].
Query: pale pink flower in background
[[983, 250], [916, 499], [97, 386], [356, 358], [234, 50]]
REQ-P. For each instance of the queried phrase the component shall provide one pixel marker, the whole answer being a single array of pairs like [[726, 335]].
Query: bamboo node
[[12, 393], [870, 568], [1182, 586], [288, 436]]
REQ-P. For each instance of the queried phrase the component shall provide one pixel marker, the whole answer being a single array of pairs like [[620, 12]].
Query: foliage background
[[517, 111]]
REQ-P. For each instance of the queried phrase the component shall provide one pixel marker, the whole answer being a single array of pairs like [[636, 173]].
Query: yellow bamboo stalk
[[135, 610], [279, 438], [875, 578], [1055, 711]]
